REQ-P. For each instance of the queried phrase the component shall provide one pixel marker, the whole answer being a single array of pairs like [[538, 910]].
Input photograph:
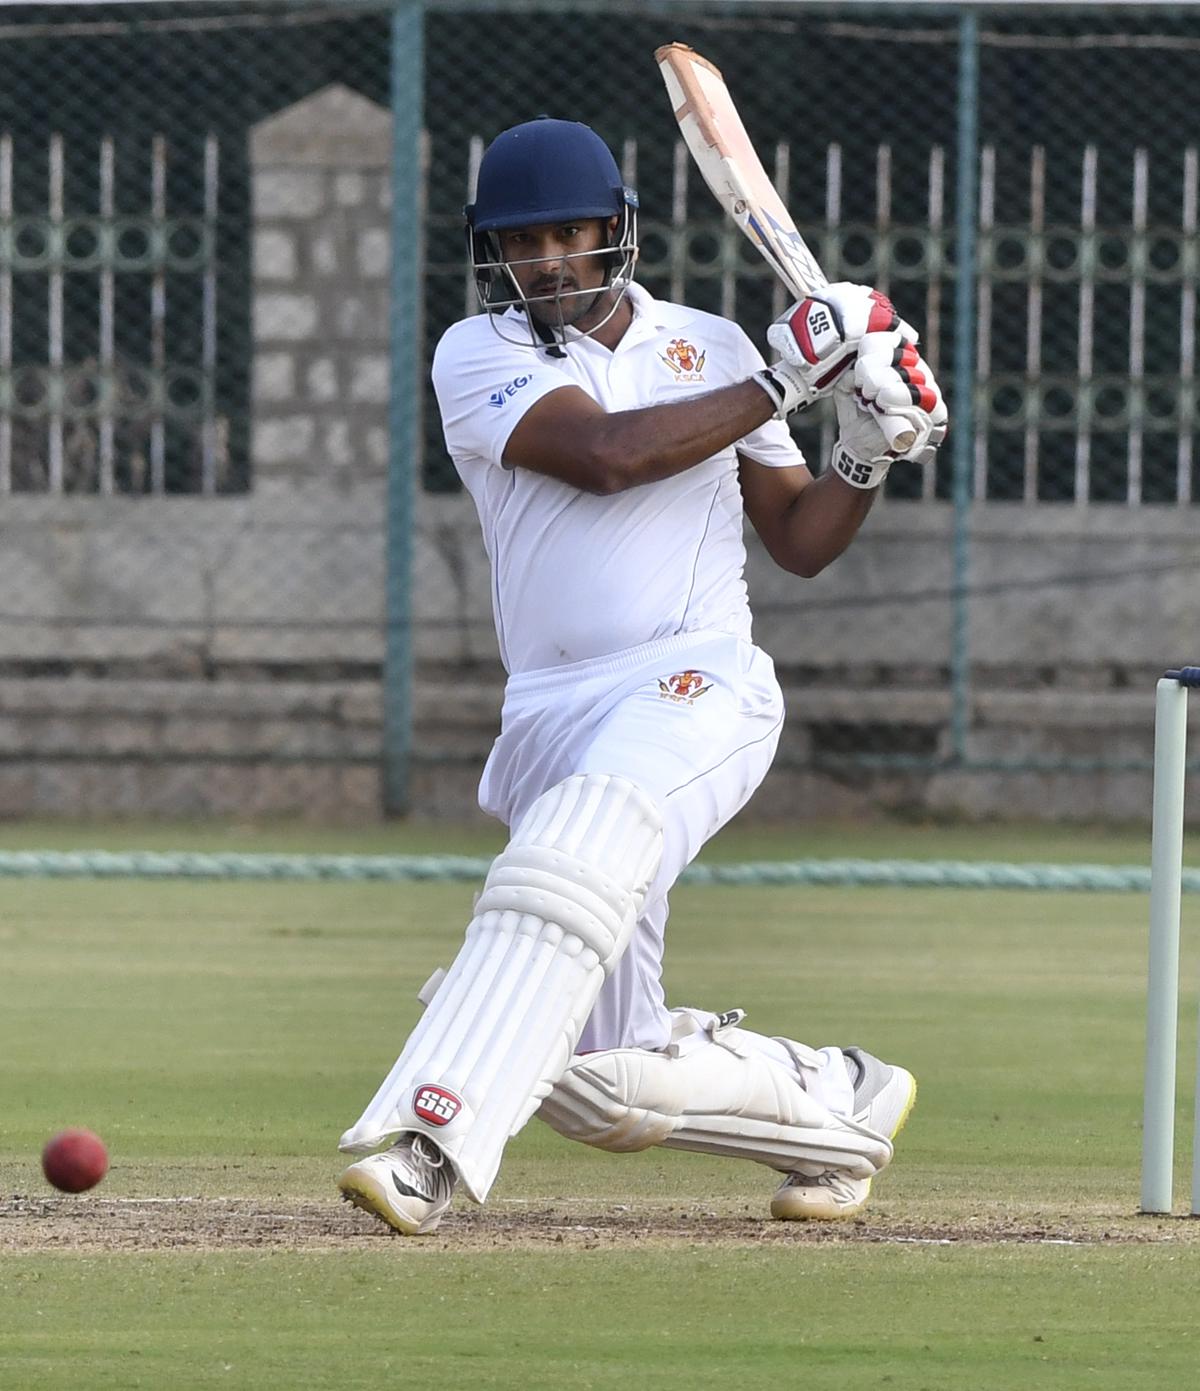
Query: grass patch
[[220, 1036], [913, 1317]]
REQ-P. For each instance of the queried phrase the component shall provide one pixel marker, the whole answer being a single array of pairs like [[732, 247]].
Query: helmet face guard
[[542, 173], [499, 290]]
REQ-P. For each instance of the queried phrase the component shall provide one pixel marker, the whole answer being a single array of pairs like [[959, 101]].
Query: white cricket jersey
[[576, 576]]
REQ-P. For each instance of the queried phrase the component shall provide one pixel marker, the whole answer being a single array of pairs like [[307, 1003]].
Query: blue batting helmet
[[546, 171]]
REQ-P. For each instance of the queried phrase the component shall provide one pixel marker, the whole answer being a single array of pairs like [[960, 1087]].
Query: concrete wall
[[184, 656], [224, 636]]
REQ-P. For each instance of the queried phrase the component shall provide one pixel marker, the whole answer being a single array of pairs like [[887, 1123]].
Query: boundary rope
[[951, 874]]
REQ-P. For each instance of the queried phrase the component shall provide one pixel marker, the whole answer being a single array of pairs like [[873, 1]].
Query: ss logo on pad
[[436, 1105]]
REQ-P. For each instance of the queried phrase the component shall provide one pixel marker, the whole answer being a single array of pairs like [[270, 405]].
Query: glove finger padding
[[892, 379], [891, 382]]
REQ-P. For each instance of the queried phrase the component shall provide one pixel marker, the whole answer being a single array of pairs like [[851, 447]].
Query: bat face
[[784, 249], [714, 133]]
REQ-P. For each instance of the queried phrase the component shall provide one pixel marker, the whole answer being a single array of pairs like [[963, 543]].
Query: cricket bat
[[714, 133]]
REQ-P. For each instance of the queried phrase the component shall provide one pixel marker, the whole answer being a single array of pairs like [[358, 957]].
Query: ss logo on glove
[[819, 322], [858, 472]]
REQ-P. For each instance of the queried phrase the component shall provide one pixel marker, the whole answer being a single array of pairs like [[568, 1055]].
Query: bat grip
[[898, 432]]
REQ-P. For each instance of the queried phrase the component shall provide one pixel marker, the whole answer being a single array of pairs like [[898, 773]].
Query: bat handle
[[898, 432]]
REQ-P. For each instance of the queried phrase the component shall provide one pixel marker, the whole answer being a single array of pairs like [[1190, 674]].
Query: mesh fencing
[[196, 366]]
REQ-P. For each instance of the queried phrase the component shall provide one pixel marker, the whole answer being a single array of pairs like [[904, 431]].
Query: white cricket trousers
[[694, 720]]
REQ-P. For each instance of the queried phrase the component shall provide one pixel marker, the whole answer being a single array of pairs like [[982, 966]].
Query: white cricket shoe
[[883, 1097], [408, 1186]]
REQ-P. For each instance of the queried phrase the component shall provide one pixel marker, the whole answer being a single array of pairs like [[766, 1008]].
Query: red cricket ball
[[75, 1160]]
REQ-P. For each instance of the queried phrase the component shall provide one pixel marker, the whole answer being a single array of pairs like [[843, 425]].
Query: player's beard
[[568, 309]]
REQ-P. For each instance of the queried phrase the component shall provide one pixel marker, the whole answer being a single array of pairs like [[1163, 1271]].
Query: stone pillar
[[320, 177]]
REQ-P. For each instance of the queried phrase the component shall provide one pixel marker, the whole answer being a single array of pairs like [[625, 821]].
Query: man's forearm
[[821, 522], [642, 446]]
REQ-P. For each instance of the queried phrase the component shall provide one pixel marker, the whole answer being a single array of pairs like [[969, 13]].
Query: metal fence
[[230, 235], [96, 419]]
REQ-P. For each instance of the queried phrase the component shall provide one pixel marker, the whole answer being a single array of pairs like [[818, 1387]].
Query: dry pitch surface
[[97, 1225]]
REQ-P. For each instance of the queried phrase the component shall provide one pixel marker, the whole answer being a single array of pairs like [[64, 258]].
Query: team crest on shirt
[[685, 360], [684, 688]]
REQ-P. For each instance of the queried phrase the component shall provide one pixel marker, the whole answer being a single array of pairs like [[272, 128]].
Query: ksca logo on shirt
[[685, 360], [684, 688], [498, 398]]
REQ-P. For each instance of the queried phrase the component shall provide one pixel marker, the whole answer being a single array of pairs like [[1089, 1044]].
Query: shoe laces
[[426, 1153], [428, 1161], [836, 1180]]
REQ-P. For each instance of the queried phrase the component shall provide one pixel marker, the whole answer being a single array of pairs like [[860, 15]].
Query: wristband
[[786, 388], [774, 388]]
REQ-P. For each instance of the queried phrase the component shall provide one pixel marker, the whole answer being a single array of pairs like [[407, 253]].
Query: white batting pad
[[557, 910], [717, 1095]]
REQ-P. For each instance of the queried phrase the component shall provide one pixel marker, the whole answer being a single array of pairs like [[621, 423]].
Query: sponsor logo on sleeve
[[685, 360], [683, 688], [436, 1105], [498, 398]]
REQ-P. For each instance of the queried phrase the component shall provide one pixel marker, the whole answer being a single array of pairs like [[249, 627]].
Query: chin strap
[[553, 347]]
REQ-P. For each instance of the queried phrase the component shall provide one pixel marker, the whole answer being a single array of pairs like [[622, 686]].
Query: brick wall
[[321, 196]]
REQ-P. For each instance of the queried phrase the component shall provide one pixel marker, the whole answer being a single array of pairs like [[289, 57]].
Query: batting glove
[[817, 340], [893, 390]]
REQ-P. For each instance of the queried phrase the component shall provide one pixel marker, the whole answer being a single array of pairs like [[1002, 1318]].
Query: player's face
[[556, 266]]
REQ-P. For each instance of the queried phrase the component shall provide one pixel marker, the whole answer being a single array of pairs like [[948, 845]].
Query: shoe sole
[[368, 1195], [782, 1211], [910, 1102], [779, 1206]]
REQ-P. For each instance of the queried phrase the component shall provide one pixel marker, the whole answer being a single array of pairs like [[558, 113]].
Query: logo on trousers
[[684, 687], [436, 1105]]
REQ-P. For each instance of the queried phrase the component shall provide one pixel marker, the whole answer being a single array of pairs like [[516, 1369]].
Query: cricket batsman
[[612, 444]]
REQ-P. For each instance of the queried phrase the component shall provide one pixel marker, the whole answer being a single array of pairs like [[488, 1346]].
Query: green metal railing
[[404, 409]]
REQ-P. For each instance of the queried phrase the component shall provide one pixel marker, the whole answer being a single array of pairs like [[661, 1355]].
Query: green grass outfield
[[220, 1036]]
